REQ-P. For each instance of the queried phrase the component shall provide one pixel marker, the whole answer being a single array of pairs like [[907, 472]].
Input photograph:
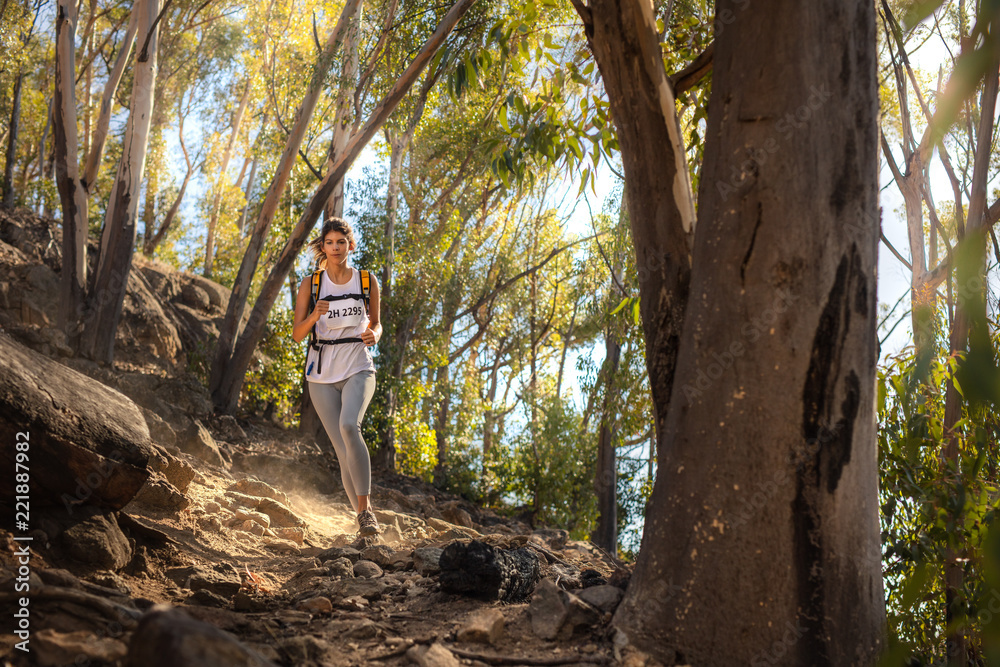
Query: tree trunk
[[11, 157], [606, 478], [342, 120], [100, 136], [107, 294], [761, 544], [248, 266], [251, 181], [970, 318], [72, 195], [225, 391], [213, 220], [659, 200]]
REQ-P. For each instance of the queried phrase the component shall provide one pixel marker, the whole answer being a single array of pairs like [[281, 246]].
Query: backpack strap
[[317, 277], [366, 287]]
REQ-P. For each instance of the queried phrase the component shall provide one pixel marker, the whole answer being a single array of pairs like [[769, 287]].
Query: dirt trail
[[309, 598]]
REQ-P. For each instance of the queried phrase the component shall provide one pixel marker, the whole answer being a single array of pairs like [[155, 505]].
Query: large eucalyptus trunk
[[761, 542], [107, 293], [229, 381], [72, 194]]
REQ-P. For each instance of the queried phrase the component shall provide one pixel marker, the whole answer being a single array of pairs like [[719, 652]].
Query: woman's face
[[336, 247]]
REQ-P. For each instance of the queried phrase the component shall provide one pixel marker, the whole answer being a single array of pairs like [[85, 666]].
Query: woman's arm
[[374, 331], [304, 320]]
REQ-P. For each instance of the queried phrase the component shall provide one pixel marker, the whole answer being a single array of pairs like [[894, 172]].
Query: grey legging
[[341, 407]]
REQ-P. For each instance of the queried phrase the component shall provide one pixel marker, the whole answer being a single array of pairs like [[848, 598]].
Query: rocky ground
[[218, 541]]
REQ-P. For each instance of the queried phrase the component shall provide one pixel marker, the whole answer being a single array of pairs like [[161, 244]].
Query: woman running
[[339, 365]]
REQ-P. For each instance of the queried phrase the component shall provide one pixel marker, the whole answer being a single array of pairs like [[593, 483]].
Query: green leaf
[[621, 305], [918, 11]]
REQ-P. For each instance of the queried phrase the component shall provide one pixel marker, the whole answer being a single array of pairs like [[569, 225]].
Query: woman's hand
[[321, 309], [368, 337]]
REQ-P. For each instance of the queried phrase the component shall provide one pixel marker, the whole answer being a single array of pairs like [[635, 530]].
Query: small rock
[[245, 515], [159, 494], [369, 589], [362, 629], [427, 560], [167, 637], [457, 516], [213, 507], [350, 554], [316, 605], [367, 569], [98, 541], [197, 578], [579, 614], [282, 546], [211, 524], [435, 655], [483, 627], [248, 604], [308, 650], [232, 432], [207, 598], [280, 515], [67, 648], [340, 567], [291, 533], [439, 524], [379, 554], [254, 487], [197, 441], [605, 598], [547, 610]]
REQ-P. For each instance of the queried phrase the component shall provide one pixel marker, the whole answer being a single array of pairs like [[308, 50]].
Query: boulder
[[97, 435], [167, 637], [195, 297]]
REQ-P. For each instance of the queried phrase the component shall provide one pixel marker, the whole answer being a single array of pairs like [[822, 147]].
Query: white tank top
[[346, 318]]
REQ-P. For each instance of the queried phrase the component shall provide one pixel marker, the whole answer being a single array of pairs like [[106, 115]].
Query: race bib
[[346, 313]]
